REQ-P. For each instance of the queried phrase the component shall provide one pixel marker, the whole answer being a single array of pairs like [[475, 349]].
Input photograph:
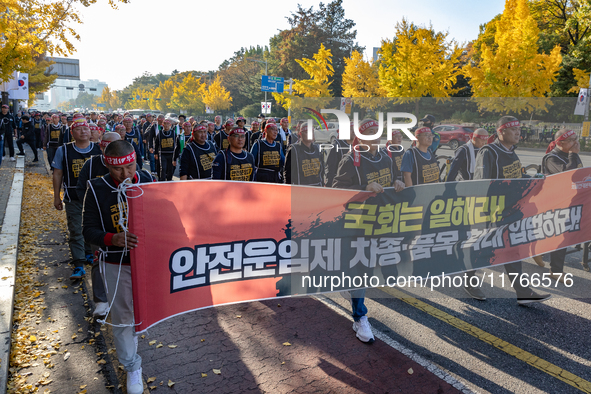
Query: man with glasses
[[234, 163]]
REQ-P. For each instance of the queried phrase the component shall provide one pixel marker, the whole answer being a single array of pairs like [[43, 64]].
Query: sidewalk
[[294, 345]]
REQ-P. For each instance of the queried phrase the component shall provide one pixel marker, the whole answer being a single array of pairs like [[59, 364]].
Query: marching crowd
[[92, 155]]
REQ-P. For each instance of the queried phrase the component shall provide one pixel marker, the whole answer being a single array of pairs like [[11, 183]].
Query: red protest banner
[[208, 243]]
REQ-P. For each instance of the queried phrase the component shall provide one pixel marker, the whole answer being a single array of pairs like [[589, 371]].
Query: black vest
[[135, 136], [268, 161], [103, 190], [221, 140], [396, 162], [424, 171], [201, 157], [72, 164], [306, 164], [54, 134], [374, 169], [240, 168], [167, 141]]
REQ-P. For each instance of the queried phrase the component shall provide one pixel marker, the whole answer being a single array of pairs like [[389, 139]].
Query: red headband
[[186, 124], [395, 131], [563, 137], [103, 143], [236, 131], [199, 128], [368, 125], [121, 161], [423, 130], [79, 123], [512, 123], [482, 137]]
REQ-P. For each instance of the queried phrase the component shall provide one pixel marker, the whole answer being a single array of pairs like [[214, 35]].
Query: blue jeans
[[358, 303], [152, 162], [1, 148]]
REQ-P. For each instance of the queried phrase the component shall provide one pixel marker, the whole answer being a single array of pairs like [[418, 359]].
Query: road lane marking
[[512, 350]]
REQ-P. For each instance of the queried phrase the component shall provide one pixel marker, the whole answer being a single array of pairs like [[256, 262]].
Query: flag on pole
[[582, 102], [18, 86]]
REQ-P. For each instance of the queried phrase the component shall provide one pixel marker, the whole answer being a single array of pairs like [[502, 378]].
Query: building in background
[[67, 86]]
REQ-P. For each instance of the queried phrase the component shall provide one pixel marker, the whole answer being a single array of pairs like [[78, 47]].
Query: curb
[[8, 259]]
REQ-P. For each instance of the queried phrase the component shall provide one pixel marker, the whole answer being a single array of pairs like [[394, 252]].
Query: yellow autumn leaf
[[410, 371], [101, 362], [150, 380], [217, 371], [172, 346], [286, 344], [83, 386], [32, 338], [153, 387], [152, 343], [203, 375], [159, 345], [170, 383]]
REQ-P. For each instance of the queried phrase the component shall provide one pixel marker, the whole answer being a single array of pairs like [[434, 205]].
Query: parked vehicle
[[453, 135], [321, 134]]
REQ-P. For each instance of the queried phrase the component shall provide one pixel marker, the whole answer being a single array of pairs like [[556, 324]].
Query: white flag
[[582, 102], [19, 87]]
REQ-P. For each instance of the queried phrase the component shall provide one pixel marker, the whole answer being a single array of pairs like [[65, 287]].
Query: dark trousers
[[50, 155], [8, 141], [31, 142], [557, 261], [98, 287], [38, 138], [166, 167], [512, 270]]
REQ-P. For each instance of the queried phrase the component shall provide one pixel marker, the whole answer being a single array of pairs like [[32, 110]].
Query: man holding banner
[[104, 224], [370, 171], [562, 155], [499, 161]]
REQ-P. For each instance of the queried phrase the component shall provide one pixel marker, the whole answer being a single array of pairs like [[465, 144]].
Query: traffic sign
[[272, 84]]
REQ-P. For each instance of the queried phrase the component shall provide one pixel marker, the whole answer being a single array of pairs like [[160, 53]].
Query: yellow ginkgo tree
[[361, 82], [216, 96], [320, 69], [419, 62], [513, 76]]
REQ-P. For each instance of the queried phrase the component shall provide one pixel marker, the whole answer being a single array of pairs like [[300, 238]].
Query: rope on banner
[[122, 206]]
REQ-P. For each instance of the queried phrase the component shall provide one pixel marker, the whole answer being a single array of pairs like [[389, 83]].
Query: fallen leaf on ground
[[172, 346], [203, 375], [170, 383], [152, 343], [286, 344], [217, 371], [150, 380], [410, 371]]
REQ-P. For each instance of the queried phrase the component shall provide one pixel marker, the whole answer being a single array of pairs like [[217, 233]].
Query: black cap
[[261, 116], [25, 117], [428, 118], [70, 118]]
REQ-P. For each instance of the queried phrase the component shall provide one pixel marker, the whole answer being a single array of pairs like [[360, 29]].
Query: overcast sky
[[160, 36]]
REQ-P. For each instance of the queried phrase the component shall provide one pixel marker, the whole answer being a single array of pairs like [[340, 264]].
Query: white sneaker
[[100, 309], [12, 159], [134, 382], [363, 330]]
